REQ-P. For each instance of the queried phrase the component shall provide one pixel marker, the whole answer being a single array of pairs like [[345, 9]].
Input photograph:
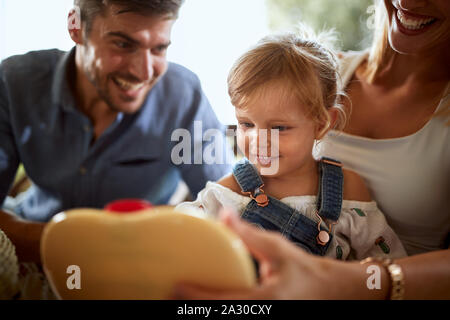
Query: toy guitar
[[132, 250]]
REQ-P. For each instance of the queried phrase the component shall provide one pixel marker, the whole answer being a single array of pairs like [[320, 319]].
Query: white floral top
[[361, 230]]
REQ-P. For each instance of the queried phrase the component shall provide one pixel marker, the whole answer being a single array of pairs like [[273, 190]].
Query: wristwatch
[[397, 280]]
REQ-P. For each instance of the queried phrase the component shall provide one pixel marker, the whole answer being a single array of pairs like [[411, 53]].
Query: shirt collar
[[62, 95], [61, 92]]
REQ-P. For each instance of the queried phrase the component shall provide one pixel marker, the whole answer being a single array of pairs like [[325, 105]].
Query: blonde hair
[[380, 50], [300, 59]]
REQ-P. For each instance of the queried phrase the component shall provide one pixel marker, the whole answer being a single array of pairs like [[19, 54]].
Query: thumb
[[264, 245]]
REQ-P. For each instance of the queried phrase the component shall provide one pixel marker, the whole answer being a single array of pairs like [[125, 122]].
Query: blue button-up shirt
[[41, 127]]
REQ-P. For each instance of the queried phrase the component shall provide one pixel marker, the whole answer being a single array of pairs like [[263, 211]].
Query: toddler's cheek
[[243, 142]]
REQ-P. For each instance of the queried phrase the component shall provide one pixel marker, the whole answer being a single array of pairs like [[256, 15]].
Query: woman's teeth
[[126, 85], [413, 24]]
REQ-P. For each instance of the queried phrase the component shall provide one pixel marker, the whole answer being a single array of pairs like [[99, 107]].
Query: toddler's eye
[[246, 125], [281, 128]]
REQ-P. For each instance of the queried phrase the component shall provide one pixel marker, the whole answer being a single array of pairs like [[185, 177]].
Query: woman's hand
[[286, 272]]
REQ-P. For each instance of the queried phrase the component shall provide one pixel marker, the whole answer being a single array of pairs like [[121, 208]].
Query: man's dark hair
[[89, 9]]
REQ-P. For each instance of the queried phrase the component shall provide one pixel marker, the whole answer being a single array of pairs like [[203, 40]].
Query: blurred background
[[207, 38]]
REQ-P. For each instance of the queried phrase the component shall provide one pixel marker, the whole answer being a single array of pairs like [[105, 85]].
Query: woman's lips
[[413, 23]]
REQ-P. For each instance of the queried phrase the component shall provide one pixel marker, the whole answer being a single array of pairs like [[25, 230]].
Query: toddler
[[285, 95]]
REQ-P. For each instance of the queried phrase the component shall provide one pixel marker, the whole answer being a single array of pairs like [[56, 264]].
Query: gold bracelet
[[397, 281]]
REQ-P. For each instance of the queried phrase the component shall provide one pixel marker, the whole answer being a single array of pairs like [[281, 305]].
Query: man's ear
[[74, 25], [323, 128]]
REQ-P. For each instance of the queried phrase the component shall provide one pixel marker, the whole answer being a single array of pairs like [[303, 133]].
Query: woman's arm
[[289, 273], [25, 235], [427, 275]]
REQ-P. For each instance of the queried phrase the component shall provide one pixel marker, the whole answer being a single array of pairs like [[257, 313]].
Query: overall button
[[323, 237]]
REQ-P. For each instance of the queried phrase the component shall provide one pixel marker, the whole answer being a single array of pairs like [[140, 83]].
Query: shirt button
[[83, 171]]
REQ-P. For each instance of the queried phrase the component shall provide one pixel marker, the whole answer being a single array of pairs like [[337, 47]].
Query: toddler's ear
[[334, 114], [323, 128]]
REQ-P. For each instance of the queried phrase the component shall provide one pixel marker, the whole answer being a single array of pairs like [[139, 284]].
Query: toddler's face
[[272, 111]]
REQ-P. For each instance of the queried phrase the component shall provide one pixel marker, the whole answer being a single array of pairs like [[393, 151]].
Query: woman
[[398, 140]]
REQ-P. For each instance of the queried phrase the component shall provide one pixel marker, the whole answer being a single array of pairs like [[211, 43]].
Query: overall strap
[[247, 176], [329, 198], [292, 224], [272, 214]]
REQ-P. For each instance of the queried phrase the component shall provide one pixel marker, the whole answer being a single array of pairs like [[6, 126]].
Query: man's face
[[124, 55]]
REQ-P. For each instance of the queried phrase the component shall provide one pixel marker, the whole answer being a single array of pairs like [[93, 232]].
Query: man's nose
[[142, 65]]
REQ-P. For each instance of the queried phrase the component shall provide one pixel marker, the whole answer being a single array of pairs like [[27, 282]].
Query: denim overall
[[272, 214]]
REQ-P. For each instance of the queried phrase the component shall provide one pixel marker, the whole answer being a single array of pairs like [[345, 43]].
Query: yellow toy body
[[98, 254]]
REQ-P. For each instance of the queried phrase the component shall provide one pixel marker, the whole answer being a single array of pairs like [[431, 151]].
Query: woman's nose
[[412, 4]]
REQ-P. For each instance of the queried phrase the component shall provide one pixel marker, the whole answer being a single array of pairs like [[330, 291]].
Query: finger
[[226, 216], [264, 245]]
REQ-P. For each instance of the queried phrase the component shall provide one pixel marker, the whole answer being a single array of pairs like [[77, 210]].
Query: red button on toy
[[128, 205]]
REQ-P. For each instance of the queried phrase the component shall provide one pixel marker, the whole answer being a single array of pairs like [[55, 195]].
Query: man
[[95, 124]]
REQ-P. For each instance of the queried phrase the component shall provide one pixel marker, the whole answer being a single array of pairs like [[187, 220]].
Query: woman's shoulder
[[348, 62], [347, 56], [355, 188]]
